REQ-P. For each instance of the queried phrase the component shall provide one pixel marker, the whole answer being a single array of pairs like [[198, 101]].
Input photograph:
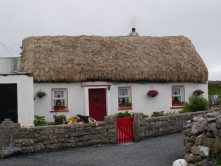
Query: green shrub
[[197, 103], [156, 114], [39, 120], [215, 154], [60, 119], [126, 104], [185, 110], [162, 113], [219, 100], [123, 114], [214, 87], [170, 113]]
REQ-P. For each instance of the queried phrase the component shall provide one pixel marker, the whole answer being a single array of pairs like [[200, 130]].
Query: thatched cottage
[[99, 76]]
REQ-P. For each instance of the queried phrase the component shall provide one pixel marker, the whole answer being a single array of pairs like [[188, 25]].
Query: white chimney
[[133, 32]]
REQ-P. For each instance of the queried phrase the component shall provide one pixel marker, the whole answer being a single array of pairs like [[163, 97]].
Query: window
[[124, 97], [59, 99], [177, 95]]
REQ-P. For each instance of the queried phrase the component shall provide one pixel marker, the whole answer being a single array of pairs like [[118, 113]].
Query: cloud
[[215, 73]]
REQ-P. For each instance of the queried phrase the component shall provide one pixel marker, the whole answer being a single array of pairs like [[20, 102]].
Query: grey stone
[[188, 125], [188, 146], [210, 134], [219, 133], [212, 127], [209, 120], [192, 158], [187, 132], [211, 114], [200, 163], [180, 162], [200, 140], [196, 118], [200, 150], [198, 127], [110, 119], [218, 123], [188, 122]]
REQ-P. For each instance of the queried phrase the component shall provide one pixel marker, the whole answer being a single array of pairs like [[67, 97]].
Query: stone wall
[[157, 126], [16, 139], [203, 134]]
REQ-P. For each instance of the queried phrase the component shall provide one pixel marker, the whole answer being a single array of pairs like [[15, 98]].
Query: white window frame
[[65, 97], [181, 95], [129, 95]]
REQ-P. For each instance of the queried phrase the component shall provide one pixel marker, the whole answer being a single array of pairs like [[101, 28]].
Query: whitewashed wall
[[75, 99], [24, 97], [78, 97]]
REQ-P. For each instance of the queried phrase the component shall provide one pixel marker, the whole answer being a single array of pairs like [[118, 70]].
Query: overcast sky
[[200, 20]]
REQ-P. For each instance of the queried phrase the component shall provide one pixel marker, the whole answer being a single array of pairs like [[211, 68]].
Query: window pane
[[59, 102], [123, 92], [123, 100], [176, 91], [58, 94], [177, 100]]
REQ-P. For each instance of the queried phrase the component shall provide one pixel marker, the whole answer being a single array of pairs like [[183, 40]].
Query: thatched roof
[[124, 58]]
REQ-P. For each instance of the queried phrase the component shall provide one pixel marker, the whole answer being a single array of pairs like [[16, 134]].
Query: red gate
[[125, 130]]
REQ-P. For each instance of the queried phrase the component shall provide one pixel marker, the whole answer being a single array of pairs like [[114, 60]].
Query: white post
[[86, 94]]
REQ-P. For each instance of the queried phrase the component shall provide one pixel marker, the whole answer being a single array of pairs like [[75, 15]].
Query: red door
[[97, 104]]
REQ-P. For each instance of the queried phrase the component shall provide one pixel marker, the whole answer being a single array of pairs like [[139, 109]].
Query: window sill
[[59, 111], [125, 108], [177, 107]]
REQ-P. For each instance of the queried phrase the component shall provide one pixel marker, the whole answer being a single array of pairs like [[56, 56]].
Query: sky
[[199, 20]]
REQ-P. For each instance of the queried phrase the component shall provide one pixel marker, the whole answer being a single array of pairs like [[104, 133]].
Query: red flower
[[152, 93]]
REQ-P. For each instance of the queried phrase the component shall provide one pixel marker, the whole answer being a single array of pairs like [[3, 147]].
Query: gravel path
[[159, 151]]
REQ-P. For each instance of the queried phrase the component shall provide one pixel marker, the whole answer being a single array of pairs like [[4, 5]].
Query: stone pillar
[[7, 131], [138, 118], [112, 133]]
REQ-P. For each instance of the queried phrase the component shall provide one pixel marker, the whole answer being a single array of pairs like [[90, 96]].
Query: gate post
[[112, 120], [138, 117]]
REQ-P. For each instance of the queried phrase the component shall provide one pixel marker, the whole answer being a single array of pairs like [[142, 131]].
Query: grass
[[214, 87]]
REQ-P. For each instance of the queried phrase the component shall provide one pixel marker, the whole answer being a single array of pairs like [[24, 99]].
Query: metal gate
[[125, 130]]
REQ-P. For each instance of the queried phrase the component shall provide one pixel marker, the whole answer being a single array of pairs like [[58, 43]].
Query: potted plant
[[152, 93], [125, 114], [40, 94], [126, 104]]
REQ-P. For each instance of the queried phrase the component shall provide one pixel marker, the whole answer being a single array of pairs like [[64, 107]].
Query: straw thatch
[[124, 58]]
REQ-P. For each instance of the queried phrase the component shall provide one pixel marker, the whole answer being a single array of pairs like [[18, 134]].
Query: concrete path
[[159, 151]]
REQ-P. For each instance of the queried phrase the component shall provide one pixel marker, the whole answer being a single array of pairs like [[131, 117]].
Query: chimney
[[133, 32]]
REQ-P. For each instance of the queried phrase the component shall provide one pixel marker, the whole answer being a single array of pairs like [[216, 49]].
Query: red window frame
[[129, 96], [181, 95], [65, 98]]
